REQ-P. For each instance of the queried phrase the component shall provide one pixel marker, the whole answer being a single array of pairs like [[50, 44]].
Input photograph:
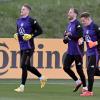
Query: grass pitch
[[54, 90]]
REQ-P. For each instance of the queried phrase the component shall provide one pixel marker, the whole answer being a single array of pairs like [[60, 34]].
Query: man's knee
[[66, 68], [24, 67]]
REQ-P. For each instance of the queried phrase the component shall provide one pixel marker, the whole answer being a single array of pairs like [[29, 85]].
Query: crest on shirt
[[21, 29], [22, 24], [87, 32]]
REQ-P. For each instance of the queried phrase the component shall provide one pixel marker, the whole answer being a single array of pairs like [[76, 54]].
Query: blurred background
[[51, 14], [49, 52]]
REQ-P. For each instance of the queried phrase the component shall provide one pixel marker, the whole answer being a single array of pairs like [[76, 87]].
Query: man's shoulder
[[77, 21], [32, 20], [78, 24], [96, 27], [18, 20]]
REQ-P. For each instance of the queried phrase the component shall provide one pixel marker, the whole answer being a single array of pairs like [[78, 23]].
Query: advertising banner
[[47, 58]]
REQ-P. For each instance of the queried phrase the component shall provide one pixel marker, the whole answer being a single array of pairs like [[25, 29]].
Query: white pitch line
[[38, 83]]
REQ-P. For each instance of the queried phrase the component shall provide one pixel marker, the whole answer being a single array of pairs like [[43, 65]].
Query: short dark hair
[[27, 6], [75, 11], [85, 14]]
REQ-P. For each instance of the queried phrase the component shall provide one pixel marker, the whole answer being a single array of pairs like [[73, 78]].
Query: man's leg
[[97, 70], [33, 70], [24, 71], [67, 68], [79, 68], [90, 73]]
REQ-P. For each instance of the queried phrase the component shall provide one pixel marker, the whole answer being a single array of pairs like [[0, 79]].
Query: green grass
[[50, 14], [54, 90]]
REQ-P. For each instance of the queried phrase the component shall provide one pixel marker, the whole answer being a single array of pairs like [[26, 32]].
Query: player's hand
[[27, 37], [66, 39], [80, 41], [68, 34], [16, 36], [92, 44]]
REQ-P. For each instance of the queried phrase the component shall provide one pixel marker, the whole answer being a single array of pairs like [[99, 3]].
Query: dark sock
[[34, 71], [24, 76]]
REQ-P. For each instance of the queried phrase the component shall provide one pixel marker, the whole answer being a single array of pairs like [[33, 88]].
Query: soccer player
[[72, 33], [91, 35], [27, 29]]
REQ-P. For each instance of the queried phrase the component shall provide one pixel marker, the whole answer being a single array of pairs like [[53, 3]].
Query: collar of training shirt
[[73, 20]]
